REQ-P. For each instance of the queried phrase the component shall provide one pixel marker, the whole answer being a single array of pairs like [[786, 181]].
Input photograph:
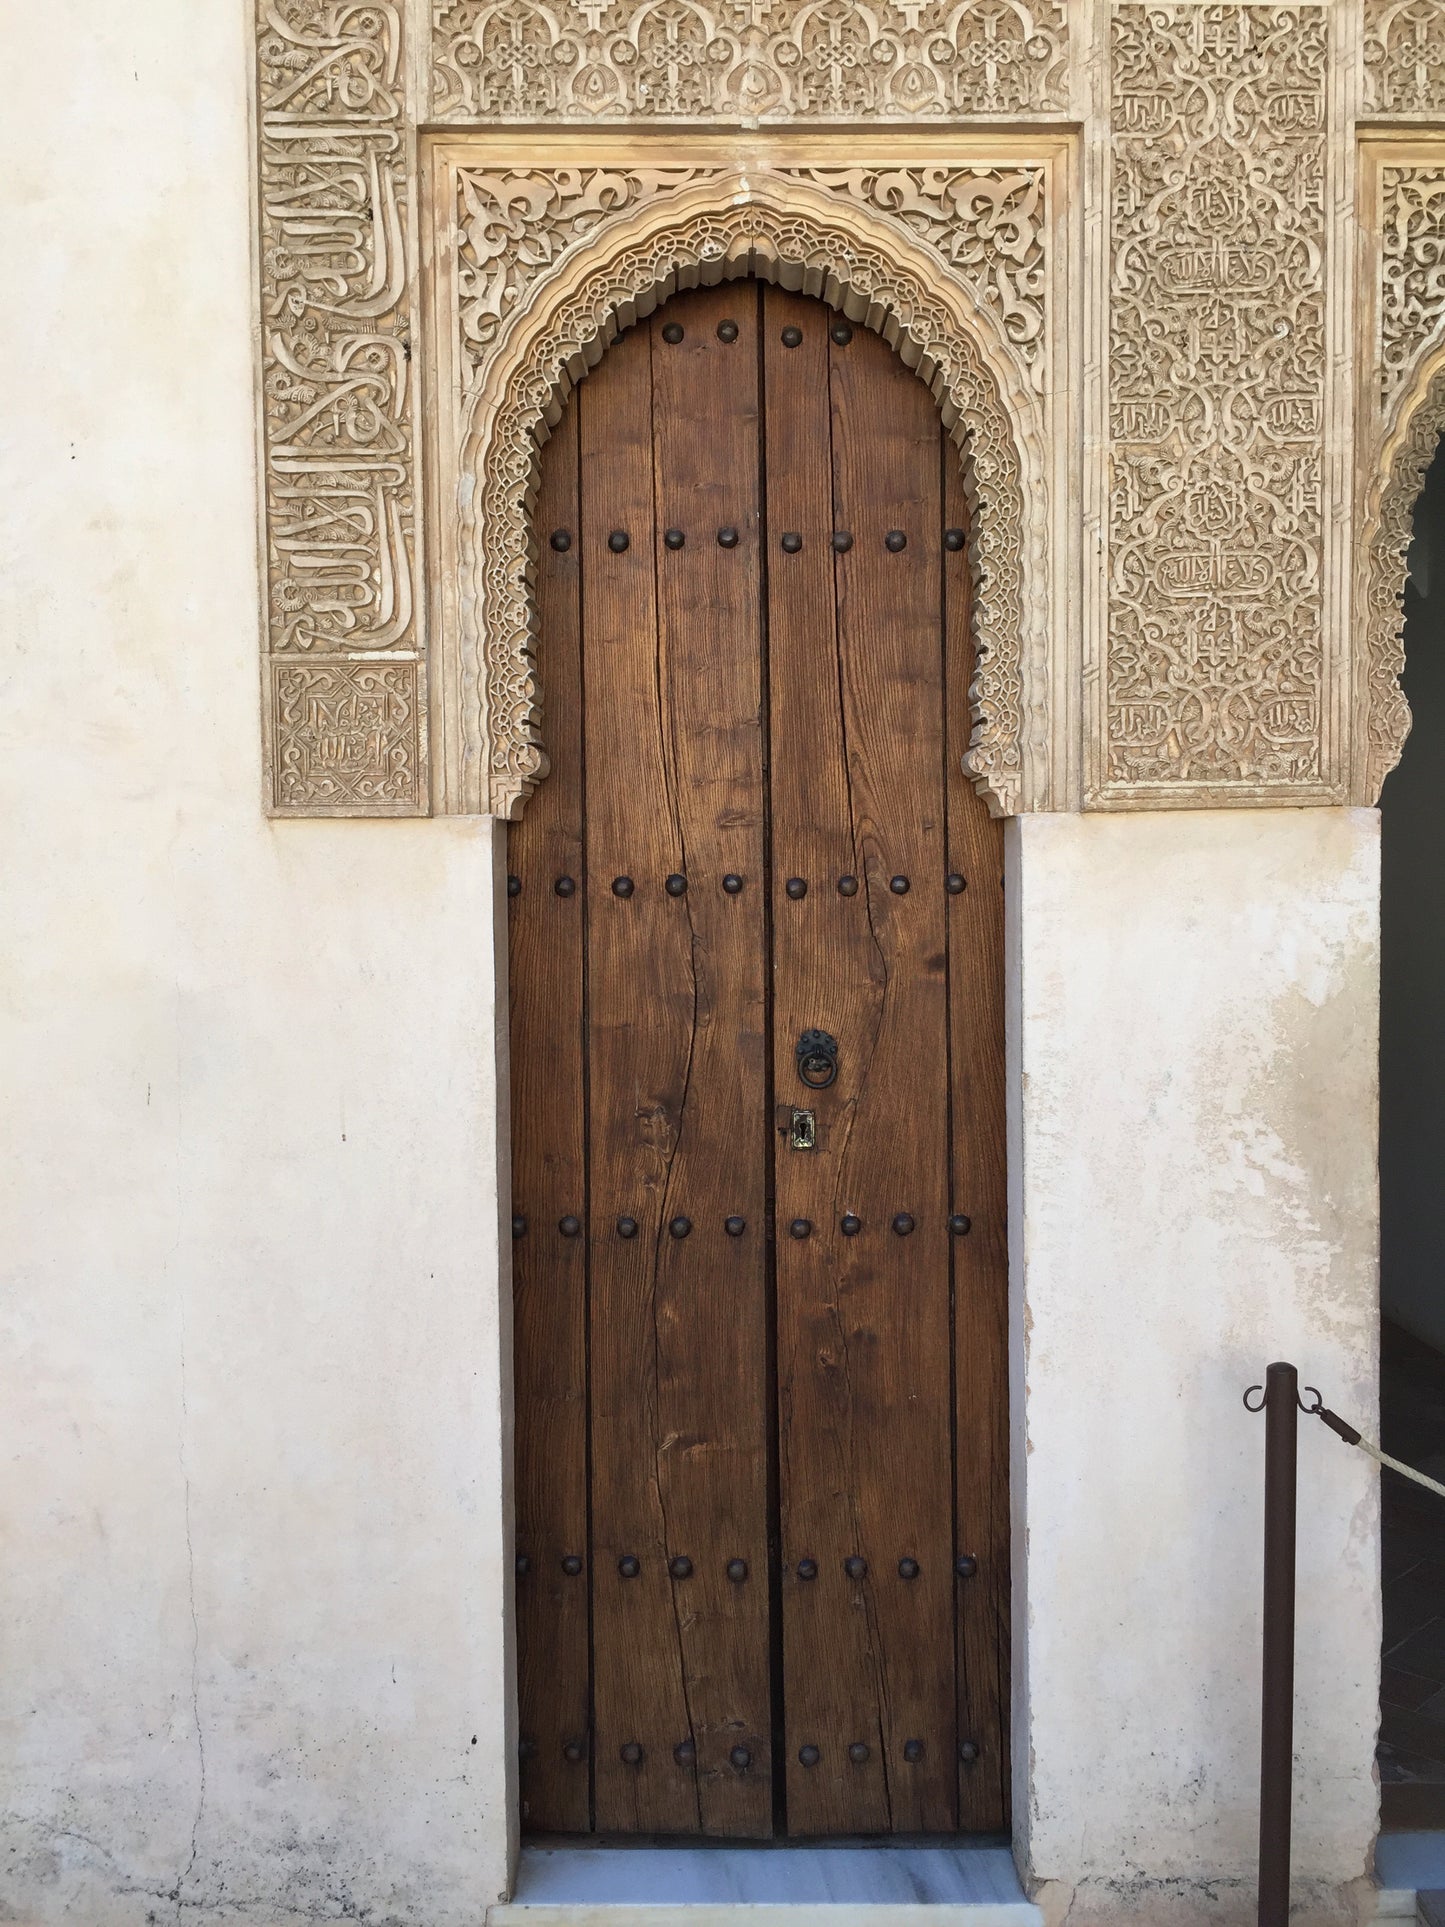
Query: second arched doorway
[[757, 1099]]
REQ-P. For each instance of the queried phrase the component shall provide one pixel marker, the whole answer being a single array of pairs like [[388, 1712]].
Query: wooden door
[[757, 1098]]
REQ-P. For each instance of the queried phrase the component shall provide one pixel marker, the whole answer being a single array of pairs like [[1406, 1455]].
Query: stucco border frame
[[1397, 436], [751, 209]]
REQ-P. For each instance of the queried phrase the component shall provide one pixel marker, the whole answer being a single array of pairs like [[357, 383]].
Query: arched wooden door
[[758, 1106]]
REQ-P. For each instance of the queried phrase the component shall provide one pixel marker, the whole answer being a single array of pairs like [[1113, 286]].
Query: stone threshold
[[711, 1886]]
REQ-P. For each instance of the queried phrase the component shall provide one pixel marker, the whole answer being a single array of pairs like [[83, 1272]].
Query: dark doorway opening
[[1412, 1199]]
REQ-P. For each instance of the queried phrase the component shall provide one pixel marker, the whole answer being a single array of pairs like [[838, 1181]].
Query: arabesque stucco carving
[[1404, 57], [495, 61], [1217, 370], [947, 263], [1191, 501], [1403, 414]]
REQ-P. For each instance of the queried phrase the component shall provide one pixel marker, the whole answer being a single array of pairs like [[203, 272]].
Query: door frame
[[957, 248], [499, 1585], [807, 217]]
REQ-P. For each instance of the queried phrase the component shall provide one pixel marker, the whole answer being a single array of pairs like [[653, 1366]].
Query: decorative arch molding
[[1402, 415], [949, 264], [1419, 422]]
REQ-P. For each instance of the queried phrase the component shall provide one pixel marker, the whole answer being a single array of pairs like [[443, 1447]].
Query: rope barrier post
[[1276, 1761]]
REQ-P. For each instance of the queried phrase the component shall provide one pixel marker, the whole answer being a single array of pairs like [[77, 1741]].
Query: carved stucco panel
[[1214, 679], [747, 60], [1405, 57], [348, 735], [1412, 272], [987, 223], [1404, 411], [338, 408], [947, 263]]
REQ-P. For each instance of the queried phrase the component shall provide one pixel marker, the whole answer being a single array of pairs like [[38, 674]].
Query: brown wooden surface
[[679, 1325], [857, 722], [549, 1277], [980, 1192], [762, 1398]]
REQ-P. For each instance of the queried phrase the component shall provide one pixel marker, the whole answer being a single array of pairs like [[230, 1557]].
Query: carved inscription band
[[345, 689]]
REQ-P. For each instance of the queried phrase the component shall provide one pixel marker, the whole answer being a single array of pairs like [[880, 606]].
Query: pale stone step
[[843, 1886]]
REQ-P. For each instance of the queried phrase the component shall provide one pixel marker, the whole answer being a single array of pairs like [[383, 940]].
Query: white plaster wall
[[250, 1585], [250, 1420], [1194, 1172]]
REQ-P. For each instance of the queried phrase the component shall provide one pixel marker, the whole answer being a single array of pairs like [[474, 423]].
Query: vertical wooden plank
[[980, 1194], [863, 1320], [639, 1026], [712, 1286], [548, 1179], [677, 1089]]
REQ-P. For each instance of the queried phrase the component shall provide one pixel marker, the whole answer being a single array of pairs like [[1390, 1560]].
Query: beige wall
[[1194, 1195], [251, 1427]]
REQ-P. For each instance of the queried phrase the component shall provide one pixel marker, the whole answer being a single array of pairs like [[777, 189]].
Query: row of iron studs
[[790, 541], [855, 1567], [732, 883], [850, 1224], [685, 1753]]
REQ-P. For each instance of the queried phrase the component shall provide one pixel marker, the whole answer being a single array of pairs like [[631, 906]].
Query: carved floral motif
[[513, 226], [729, 60], [336, 354], [1412, 270], [1387, 717], [1405, 56], [1217, 373], [986, 224], [1409, 417], [347, 734]]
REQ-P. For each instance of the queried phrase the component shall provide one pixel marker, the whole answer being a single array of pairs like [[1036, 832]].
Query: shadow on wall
[[1412, 1003]]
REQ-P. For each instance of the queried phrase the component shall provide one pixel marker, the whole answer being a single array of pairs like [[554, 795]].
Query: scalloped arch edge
[[878, 274]]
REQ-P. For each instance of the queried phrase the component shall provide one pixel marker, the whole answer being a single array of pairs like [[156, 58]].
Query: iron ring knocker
[[817, 1059]]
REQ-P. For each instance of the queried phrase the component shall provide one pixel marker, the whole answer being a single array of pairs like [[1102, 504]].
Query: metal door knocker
[[817, 1058]]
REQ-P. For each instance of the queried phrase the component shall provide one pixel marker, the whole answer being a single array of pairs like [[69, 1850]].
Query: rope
[[1405, 1471], [1344, 1430]]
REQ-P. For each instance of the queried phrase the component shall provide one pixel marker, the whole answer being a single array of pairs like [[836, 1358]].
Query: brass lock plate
[[803, 1131]]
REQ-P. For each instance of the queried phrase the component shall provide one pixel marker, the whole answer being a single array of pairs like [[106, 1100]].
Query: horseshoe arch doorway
[[756, 959]]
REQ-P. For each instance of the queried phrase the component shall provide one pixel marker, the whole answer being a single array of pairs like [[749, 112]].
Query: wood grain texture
[[549, 1277], [763, 711], [864, 1380], [712, 1287], [980, 1192], [679, 1326]]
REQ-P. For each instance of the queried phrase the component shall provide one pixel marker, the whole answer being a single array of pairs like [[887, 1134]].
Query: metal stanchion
[[1276, 1752]]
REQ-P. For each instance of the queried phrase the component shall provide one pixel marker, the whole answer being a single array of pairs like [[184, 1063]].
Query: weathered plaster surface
[[252, 1412], [250, 1428], [1195, 1196]]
